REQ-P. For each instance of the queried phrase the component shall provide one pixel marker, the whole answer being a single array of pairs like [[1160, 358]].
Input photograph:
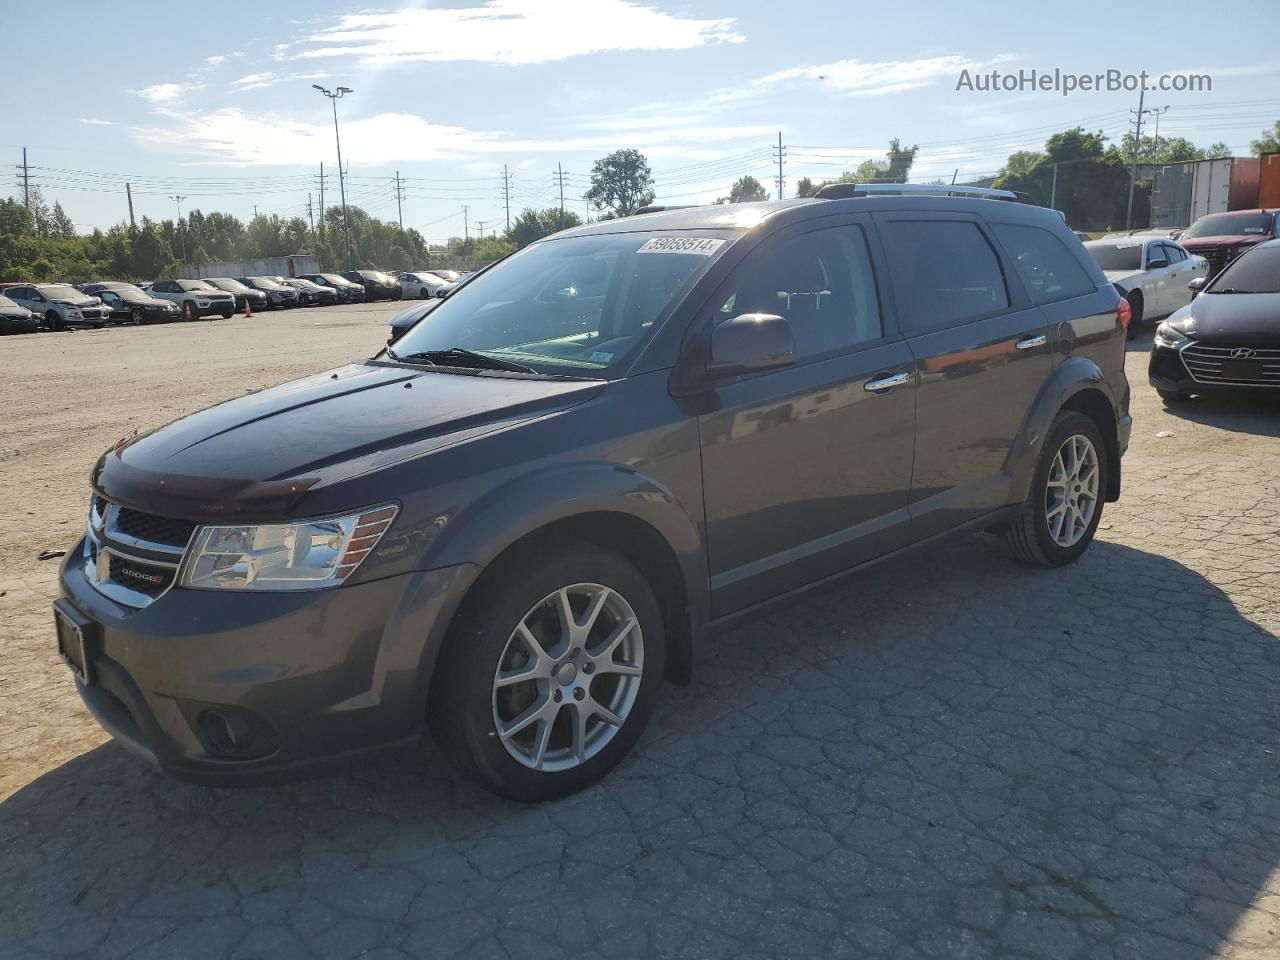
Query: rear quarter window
[[1047, 268]]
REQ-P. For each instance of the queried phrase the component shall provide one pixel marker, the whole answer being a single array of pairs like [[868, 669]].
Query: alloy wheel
[[1071, 492], [568, 677]]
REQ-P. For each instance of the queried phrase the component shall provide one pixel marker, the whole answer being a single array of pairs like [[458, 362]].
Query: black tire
[[228, 314], [54, 320], [424, 293], [462, 711], [1027, 534], [189, 310], [138, 316], [1172, 396], [1135, 307]]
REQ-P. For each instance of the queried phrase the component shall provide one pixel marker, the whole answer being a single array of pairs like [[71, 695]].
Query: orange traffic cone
[[248, 310]]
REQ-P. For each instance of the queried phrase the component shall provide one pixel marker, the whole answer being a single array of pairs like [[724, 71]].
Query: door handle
[[1032, 342], [887, 383]]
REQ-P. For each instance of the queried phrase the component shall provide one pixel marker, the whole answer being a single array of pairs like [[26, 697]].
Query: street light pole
[[334, 97], [182, 234]]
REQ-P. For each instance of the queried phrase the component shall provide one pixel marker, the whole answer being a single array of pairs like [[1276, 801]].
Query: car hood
[[79, 302], [146, 302], [1231, 319], [258, 456], [15, 311], [1229, 240]]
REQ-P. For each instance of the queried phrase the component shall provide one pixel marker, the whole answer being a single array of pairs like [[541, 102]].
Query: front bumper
[[1167, 371], [305, 679]]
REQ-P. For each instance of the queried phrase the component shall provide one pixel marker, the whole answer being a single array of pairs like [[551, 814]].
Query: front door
[[983, 351], [806, 469]]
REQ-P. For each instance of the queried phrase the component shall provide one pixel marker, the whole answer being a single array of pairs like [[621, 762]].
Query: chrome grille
[[1216, 364], [133, 557]]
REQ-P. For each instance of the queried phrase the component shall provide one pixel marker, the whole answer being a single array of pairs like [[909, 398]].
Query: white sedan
[[1151, 272], [421, 283]]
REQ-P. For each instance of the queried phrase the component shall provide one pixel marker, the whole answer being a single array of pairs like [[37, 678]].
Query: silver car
[[1151, 272]]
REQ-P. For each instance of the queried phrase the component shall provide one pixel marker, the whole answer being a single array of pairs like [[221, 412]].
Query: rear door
[[806, 469], [983, 351]]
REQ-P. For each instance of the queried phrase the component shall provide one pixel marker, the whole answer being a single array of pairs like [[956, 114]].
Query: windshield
[[266, 282], [336, 280], [576, 306], [60, 291], [231, 286], [1230, 225], [123, 288], [1258, 271], [193, 285], [1118, 256]]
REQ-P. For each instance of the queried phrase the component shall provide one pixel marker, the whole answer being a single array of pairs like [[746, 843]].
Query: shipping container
[[1183, 192], [1269, 181], [294, 266]]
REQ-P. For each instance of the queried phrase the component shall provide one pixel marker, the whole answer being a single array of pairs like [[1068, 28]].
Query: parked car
[[278, 294], [1152, 274], [377, 285], [1221, 237], [311, 294], [518, 520], [129, 304], [450, 275], [195, 298], [421, 284], [347, 291], [1228, 338], [15, 318], [59, 305], [1082, 236], [255, 299]]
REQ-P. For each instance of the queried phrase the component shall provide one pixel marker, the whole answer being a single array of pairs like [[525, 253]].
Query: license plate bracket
[[76, 636]]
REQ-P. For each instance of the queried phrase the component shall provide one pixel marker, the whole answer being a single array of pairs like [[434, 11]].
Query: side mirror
[[750, 342], [1157, 262], [1196, 285]]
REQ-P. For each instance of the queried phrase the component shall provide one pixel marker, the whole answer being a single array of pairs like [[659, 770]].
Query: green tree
[[533, 225], [806, 187], [1269, 142], [492, 248], [745, 190], [621, 183]]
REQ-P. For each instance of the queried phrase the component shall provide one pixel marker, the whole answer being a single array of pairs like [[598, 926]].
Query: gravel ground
[[950, 756]]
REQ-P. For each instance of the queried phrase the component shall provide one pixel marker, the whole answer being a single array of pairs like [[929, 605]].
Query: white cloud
[[164, 92], [509, 31], [861, 78], [95, 122]]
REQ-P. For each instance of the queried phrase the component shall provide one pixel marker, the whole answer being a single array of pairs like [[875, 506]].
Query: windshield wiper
[[458, 357]]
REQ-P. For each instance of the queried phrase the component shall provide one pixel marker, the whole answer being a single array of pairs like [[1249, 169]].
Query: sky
[[215, 104]]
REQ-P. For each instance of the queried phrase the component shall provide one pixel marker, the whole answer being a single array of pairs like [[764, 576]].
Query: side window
[[821, 282], [1175, 254], [947, 273], [1045, 264]]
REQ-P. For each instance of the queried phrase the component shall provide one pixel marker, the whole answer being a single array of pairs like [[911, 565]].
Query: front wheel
[[138, 316], [53, 320], [1057, 521], [189, 308], [551, 673]]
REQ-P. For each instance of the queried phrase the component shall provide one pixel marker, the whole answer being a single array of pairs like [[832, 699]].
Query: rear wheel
[[1057, 521], [1135, 306], [551, 672]]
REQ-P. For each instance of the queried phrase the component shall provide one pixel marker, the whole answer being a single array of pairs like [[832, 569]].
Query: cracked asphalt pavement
[[950, 756]]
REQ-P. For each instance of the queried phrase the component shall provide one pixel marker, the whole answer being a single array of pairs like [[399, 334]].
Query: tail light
[[1124, 313]]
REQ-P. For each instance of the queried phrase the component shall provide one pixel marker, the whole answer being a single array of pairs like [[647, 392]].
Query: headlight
[[291, 556], [1166, 336]]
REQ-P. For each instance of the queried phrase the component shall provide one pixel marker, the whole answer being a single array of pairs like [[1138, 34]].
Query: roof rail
[[839, 191], [659, 207]]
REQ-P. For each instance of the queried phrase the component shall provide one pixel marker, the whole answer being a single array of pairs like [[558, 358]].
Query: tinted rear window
[[1046, 266], [945, 271]]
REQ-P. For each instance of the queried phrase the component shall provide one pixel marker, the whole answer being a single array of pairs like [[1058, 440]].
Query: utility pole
[[182, 234], [399, 197], [1133, 170], [334, 97], [560, 177], [465, 234], [506, 194], [26, 181], [128, 192], [1158, 111], [480, 224], [255, 211], [780, 151], [1053, 190], [309, 214], [322, 198]]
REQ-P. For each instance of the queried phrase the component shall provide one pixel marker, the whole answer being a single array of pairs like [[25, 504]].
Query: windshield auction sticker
[[699, 246]]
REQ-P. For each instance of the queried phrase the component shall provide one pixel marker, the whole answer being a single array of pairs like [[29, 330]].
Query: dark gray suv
[[516, 521]]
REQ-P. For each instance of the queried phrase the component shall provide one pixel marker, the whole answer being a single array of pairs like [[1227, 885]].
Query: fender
[[483, 529], [1074, 375]]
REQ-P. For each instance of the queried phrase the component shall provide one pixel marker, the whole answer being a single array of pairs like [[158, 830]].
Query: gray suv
[[511, 525]]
